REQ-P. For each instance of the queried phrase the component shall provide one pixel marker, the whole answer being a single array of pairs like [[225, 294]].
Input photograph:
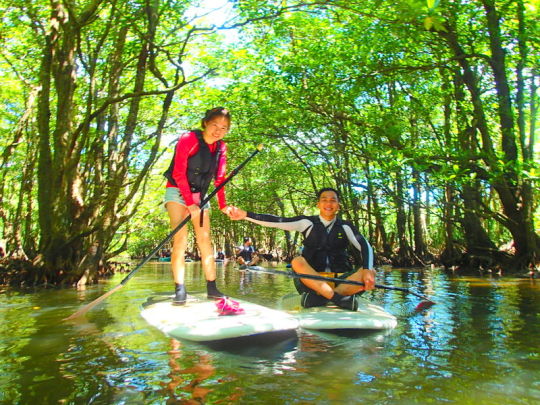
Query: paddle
[[424, 304], [91, 305]]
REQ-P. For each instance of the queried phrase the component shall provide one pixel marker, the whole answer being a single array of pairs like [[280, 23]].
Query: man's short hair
[[322, 190], [247, 239]]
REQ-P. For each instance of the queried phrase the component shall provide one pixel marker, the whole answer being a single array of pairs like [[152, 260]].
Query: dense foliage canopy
[[421, 112]]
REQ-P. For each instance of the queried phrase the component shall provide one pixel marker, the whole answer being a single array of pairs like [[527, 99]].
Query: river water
[[479, 344]]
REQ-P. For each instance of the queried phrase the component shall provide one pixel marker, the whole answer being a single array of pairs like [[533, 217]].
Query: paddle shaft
[[235, 171], [339, 280]]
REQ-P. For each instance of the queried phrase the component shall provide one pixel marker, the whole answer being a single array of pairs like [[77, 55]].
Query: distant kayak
[[254, 268], [199, 320], [368, 316]]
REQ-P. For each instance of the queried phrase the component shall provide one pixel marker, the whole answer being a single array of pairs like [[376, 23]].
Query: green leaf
[[438, 25], [432, 4]]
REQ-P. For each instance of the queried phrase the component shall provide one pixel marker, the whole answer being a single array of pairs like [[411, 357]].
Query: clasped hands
[[231, 211], [234, 213]]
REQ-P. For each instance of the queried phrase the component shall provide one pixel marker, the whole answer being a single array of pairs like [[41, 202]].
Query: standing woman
[[199, 157]]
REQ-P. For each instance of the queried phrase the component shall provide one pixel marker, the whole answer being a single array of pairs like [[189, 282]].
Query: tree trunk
[[451, 254], [419, 226], [381, 238], [478, 242], [405, 256]]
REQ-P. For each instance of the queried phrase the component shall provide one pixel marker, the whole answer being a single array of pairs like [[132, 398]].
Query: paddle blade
[[260, 147], [91, 305], [425, 304]]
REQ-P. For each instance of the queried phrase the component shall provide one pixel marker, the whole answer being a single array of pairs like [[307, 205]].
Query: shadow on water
[[349, 333], [269, 346]]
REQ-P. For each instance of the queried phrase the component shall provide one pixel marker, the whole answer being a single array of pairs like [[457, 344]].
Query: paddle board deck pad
[[198, 320], [368, 316]]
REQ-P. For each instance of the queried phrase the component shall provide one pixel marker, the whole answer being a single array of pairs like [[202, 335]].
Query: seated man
[[246, 255], [326, 239]]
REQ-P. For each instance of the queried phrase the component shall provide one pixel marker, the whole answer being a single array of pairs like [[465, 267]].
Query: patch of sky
[[218, 14]]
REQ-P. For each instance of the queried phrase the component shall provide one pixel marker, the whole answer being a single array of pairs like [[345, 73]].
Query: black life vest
[[201, 168], [324, 249], [246, 253]]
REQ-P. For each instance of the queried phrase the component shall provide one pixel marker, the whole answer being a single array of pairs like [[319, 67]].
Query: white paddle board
[[198, 320], [368, 316]]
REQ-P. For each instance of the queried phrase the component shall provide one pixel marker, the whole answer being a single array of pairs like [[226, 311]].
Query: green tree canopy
[[422, 113]]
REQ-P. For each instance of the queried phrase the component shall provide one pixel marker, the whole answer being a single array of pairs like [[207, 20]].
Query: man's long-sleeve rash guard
[[305, 223]]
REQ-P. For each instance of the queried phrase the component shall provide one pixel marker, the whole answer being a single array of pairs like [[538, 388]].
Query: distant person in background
[[246, 255], [220, 255], [326, 239], [200, 156]]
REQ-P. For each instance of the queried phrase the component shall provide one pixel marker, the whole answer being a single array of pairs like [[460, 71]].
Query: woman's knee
[[203, 236]]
